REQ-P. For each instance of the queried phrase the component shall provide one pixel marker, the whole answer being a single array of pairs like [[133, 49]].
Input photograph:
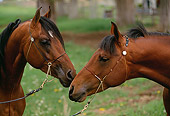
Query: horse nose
[[70, 92], [70, 75]]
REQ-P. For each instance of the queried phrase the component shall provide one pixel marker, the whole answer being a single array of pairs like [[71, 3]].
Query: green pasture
[[138, 97], [11, 13]]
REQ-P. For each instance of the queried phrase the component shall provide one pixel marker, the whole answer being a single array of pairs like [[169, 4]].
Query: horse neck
[[150, 58], [14, 58]]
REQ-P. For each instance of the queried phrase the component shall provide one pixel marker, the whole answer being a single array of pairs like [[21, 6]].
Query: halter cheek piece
[[124, 53]]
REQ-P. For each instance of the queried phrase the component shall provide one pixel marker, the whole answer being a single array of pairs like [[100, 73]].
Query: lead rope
[[100, 85], [45, 80], [48, 73], [35, 90], [86, 106]]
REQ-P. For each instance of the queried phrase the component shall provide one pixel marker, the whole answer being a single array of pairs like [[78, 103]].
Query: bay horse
[[120, 58], [38, 42]]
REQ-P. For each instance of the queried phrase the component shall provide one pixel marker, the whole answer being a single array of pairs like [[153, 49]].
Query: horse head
[[44, 48], [106, 68]]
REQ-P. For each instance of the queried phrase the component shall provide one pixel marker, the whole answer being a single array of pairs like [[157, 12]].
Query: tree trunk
[[125, 12], [164, 15], [73, 12], [45, 6], [93, 9], [61, 11]]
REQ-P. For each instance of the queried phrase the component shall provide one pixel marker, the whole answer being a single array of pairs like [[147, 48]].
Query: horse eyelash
[[45, 42], [103, 59]]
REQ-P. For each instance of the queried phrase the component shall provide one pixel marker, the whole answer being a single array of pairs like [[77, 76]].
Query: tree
[[93, 8], [73, 9], [61, 11], [125, 12], [164, 15], [45, 5]]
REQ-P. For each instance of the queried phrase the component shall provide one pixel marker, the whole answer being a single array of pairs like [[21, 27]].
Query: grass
[[11, 13], [83, 25]]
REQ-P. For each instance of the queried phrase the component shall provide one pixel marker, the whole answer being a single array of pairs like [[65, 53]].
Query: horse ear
[[36, 18], [48, 14], [115, 31]]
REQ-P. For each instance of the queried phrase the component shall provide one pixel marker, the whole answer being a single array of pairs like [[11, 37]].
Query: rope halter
[[101, 80]]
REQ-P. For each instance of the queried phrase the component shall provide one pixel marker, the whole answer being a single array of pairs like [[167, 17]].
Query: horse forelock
[[107, 44], [51, 29]]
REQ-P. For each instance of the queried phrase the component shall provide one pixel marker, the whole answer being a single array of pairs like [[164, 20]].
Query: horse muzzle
[[78, 96], [64, 78]]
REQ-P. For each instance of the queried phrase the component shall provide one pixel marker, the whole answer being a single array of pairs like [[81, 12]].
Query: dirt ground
[[88, 39]]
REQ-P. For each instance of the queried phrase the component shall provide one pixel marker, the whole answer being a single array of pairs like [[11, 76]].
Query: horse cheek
[[117, 77]]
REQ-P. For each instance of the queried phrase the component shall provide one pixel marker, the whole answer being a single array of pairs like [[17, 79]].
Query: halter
[[49, 64], [101, 80]]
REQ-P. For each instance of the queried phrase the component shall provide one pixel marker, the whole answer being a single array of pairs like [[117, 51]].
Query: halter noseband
[[102, 80]]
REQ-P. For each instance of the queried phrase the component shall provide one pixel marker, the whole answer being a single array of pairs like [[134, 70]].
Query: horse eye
[[45, 42], [103, 59]]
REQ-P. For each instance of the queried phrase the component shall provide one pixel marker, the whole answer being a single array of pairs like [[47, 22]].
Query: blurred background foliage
[[153, 13]]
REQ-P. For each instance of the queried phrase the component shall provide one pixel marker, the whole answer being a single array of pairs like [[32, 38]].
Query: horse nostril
[[71, 90], [69, 75]]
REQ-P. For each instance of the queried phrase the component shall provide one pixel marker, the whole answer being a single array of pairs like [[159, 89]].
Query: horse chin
[[79, 98], [65, 84], [59, 73], [83, 98]]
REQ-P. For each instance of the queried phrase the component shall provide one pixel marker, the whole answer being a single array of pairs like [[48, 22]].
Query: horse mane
[[4, 36], [48, 25], [107, 44], [140, 31]]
